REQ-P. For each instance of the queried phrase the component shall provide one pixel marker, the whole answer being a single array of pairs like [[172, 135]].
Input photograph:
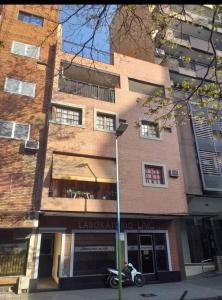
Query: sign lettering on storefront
[[111, 225]]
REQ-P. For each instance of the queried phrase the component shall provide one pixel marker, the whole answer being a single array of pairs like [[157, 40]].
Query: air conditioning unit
[[160, 52], [174, 173], [32, 145]]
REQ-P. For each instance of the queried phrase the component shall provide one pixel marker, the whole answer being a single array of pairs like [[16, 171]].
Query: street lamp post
[[120, 130]]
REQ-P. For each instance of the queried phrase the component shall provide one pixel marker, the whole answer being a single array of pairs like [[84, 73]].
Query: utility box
[[218, 263], [23, 284]]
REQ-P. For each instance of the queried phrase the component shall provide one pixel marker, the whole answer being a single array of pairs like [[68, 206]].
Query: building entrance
[[148, 252]]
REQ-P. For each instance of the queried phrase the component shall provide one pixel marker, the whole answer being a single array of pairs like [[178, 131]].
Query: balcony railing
[[12, 264], [75, 194], [86, 89], [88, 52]]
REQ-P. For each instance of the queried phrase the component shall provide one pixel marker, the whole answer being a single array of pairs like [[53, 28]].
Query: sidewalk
[[198, 287]]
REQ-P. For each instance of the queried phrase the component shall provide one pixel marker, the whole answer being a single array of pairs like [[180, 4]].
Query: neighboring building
[[200, 144], [26, 63], [77, 222]]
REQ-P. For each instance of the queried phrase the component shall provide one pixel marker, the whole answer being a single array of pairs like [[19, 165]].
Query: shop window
[[94, 253], [25, 49], [31, 19], [161, 252]]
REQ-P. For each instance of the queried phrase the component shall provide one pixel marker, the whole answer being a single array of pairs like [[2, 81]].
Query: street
[[197, 287]]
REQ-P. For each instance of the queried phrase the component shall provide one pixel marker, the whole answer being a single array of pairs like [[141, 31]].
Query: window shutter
[[28, 89], [18, 48], [12, 85], [6, 128], [32, 51], [21, 131]]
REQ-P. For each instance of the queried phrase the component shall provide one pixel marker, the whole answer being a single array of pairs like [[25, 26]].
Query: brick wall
[[17, 200]]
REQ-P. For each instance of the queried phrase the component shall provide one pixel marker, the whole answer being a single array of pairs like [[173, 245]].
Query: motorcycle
[[129, 275]]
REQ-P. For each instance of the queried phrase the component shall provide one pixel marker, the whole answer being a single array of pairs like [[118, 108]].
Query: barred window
[[154, 174], [150, 129], [105, 122], [68, 116]]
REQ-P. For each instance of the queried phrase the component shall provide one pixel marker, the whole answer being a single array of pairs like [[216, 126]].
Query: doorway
[[148, 253], [46, 255]]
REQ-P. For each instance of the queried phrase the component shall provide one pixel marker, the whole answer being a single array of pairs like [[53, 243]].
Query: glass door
[[146, 253]]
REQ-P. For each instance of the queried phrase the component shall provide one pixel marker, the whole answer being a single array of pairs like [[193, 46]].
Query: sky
[[74, 30]]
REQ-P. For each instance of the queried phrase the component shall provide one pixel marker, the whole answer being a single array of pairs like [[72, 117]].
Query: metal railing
[[12, 264], [86, 89], [75, 193], [88, 52]]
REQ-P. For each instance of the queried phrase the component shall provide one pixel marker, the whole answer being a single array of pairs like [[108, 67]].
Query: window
[[94, 253], [14, 130], [25, 49], [154, 175], [19, 87], [149, 130], [66, 115], [105, 122], [145, 88], [31, 19]]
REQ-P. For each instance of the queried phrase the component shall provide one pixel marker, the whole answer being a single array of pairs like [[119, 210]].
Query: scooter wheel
[[113, 282], [139, 280]]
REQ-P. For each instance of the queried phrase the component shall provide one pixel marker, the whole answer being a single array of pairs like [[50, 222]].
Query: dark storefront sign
[[101, 224]]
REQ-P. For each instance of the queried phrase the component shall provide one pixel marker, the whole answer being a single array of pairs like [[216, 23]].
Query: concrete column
[[177, 227]]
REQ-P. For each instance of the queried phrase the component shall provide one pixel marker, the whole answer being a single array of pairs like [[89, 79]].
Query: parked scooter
[[129, 275]]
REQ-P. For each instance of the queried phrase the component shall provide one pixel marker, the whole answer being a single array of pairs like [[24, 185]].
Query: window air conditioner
[[174, 173], [31, 145], [160, 52]]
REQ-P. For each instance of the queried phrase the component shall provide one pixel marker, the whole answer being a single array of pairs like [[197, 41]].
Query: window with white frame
[[149, 129], [67, 115], [13, 130], [154, 175], [25, 49], [105, 122], [20, 87]]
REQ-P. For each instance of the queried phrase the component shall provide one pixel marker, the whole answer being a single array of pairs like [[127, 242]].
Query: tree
[[152, 26]]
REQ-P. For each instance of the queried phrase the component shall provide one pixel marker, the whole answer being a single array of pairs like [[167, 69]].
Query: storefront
[[83, 249]]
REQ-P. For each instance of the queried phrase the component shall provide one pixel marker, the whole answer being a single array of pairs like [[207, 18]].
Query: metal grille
[[209, 163], [149, 129], [154, 174], [69, 116], [86, 90], [105, 122], [12, 264]]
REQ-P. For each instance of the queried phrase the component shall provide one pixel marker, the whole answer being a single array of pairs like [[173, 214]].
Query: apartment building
[[77, 224], [26, 62], [200, 143]]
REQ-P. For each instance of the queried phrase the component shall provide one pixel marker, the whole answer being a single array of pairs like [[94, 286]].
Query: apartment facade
[[77, 224], [26, 62], [200, 143]]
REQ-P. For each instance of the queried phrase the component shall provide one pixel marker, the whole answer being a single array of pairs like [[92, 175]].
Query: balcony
[[81, 183], [86, 90], [76, 189], [88, 82]]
